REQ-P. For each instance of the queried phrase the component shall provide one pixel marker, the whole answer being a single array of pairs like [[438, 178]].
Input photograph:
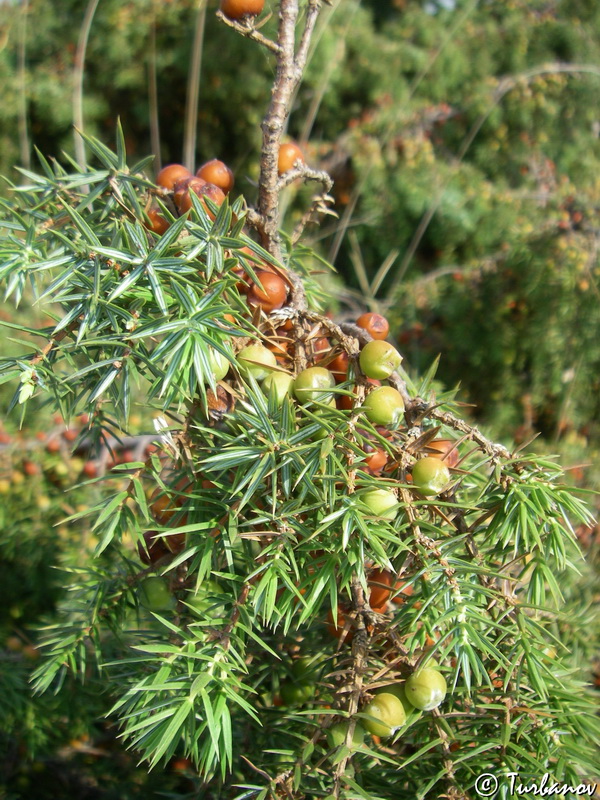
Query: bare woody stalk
[[289, 72]]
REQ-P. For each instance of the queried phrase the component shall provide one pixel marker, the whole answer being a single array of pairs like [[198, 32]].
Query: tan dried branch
[[248, 29]]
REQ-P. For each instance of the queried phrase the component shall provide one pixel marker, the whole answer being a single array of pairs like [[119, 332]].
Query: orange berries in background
[[158, 223], [380, 583], [337, 631], [339, 367], [442, 449]]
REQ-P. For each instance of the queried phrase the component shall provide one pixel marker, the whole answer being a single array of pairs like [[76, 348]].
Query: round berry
[[217, 173], [386, 714], [153, 549], [203, 603], [376, 459], [202, 191], [384, 406], [401, 592], [219, 365], [444, 450], [339, 367], [374, 324], [426, 689], [382, 502], [305, 667], [256, 360], [337, 733], [380, 583], [271, 294], [158, 224], [280, 384], [289, 153], [236, 9], [378, 359], [430, 476], [342, 627], [312, 385], [182, 187], [296, 693], [154, 594], [169, 175]]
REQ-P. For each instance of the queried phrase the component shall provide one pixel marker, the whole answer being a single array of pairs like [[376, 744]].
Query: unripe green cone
[[386, 715], [256, 360], [219, 365], [336, 735], [312, 384], [280, 384], [295, 693], [381, 502], [426, 689], [378, 359], [384, 406], [154, 594], [203, 603], [430, 476]]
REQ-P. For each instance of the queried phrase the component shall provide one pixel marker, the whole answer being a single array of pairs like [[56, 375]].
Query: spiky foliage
[[261, 507]]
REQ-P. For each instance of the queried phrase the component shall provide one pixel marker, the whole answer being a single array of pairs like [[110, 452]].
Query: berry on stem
[[430, 476], [378, 359], [154, 594], [181, 189], [384, 406], [386, 714], [382, 502], [280, 384], [171, 174], [295, 693], [339, 367], [444, 450], [236, 9], [374, 324], [257, 360], [270, 294], [312, 385], [380, 583], [289, 153], [426, 689], [202, 191], [337, 733], [219, 365], [217, 173], [158, 223]]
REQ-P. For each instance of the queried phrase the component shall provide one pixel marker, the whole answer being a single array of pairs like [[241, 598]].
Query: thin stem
[[273, 125], [153, 96], [78, 71], [248, 30], [193, 90], [24, 144]]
